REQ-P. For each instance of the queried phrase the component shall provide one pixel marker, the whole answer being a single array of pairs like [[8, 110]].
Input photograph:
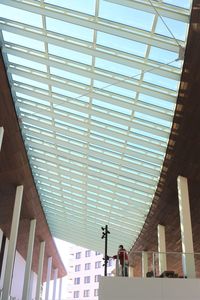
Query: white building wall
[[73, 274]]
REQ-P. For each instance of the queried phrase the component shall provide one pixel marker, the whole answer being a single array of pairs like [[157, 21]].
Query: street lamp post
[[105, 233]]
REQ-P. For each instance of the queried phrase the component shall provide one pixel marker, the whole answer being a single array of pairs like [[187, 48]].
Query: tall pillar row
[[12, 243], [10, 255]]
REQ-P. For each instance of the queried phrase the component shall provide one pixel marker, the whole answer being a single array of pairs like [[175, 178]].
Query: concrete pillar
[[144, 263], [1, 136], [55, 276], [12, 243], [29, 260], [186, 228], [60, 290], [130, 271], [162, 259], [40, 270], [30, 291], [49, 266]]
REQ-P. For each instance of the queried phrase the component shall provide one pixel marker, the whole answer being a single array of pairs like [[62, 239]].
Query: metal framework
[[94, 85]]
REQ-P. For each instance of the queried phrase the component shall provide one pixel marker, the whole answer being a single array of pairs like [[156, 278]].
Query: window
[[96, 292], [77, 280], [86, 293], [76, 294], [87, 253], [87, 279], [77, 268], [97, 264], [87, 266], [97, 278], [97, 253], [78, 255]]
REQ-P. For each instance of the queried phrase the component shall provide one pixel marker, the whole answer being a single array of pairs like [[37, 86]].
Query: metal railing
[[157, 264]]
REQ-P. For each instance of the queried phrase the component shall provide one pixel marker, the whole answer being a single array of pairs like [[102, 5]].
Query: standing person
[[123, 259]]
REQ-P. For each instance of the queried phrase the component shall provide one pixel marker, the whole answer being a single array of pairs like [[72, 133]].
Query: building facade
[[84, 272]]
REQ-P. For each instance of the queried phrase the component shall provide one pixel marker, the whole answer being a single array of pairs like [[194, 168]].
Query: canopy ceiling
[[95, 85]]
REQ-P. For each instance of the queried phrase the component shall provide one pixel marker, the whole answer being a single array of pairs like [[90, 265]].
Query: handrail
[[154, 266]]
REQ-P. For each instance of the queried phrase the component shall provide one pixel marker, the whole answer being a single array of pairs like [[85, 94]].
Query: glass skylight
[[95, 84]]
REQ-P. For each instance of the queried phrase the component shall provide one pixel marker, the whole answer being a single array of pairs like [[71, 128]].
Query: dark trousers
[[124, 270]]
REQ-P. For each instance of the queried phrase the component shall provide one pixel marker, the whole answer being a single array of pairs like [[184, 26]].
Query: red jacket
[[123, 256]]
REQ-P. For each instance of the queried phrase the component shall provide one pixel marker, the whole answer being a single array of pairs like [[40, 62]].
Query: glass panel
[[23, 41], [178, 28], [122, 44], [70, 54], [116, 68], [97, 127], [86, 6], [125, 15], [20, 15], [182, 3], [26, 63], [68, 29]]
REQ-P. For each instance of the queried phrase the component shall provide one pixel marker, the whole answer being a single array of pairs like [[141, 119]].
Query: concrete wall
[[118, 288]]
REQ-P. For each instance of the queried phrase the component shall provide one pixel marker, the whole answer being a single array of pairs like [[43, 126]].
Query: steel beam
[[102, 94], [165, 10], [98, 24], [147, 88]]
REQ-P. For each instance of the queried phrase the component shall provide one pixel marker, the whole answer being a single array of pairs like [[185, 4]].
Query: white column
[[1, 136], [30, 291], [55, 276], [186, 228], [29, 260], [40, 270], [48, 278], [130, 271], [162, 259], [60, 290], [12, 243], [144, 263]]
